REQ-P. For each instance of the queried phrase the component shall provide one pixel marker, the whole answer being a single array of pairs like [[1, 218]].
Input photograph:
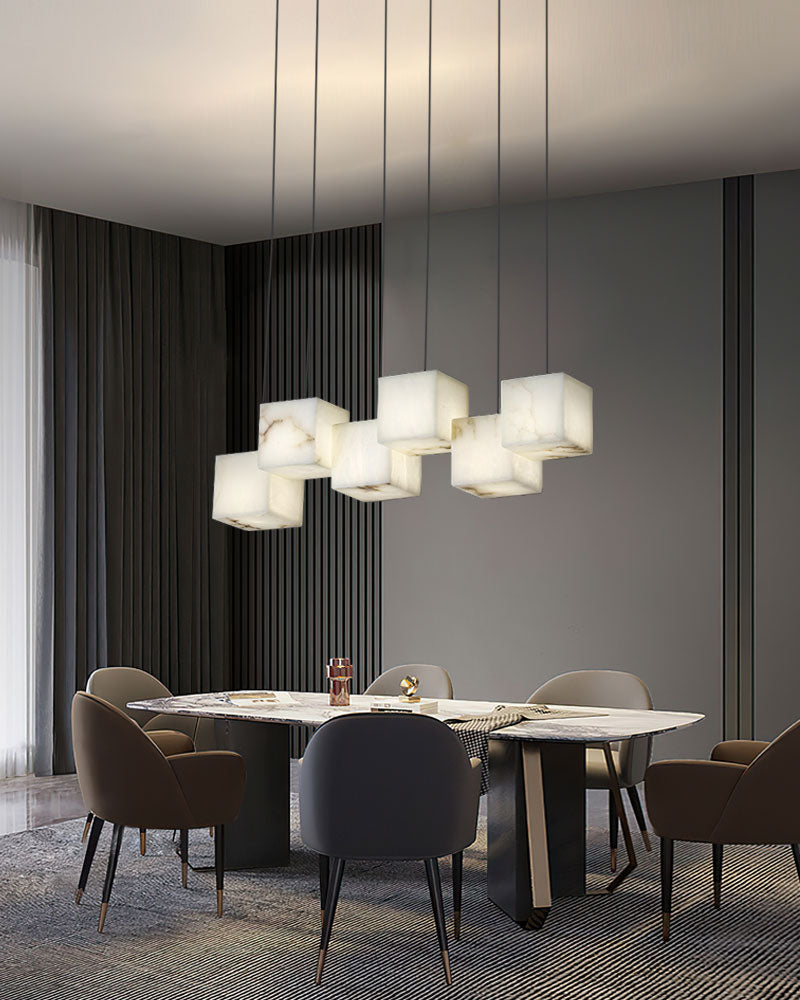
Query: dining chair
[[126, 780], [613, 689], [744, 795], [172, 734], [413, 796], [434, 682]]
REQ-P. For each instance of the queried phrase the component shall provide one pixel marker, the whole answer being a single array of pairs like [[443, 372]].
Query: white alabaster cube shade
[[547, 416], [416, 411], [247, 497], [366, 470], [295, 437], [480, 465]]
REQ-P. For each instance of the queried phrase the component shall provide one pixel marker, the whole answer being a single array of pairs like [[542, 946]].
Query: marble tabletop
[[589, 724]]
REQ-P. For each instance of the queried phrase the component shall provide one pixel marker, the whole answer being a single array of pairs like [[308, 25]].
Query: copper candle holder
[[340, 675]]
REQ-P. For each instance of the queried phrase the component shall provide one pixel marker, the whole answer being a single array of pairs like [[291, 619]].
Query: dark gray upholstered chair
[[746, 794], [412, 794], [434, 682], [614, 689], [172, 734], [126, 780]]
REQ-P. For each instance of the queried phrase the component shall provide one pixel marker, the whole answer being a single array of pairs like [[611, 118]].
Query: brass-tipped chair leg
[[667, 856], [331, 899], [113, 858], [184, 851], [458, 872], [435, 889], [86, 826], [219, 864], [716, 850], [142, 841], [88, 858], [796, 856]]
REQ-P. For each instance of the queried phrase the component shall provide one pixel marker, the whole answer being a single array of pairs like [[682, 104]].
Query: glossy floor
[[26, 803]]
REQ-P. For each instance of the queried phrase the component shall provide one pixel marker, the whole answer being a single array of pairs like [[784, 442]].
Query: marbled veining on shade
[[480, 465], [547, 416], [251, 499], [295, 437], [366, 470], [416, 410]]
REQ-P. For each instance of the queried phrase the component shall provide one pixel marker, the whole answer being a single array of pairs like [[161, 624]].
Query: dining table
[[536, 826]]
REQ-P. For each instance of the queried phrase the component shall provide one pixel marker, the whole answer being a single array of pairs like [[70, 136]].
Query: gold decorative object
[[409, 686]]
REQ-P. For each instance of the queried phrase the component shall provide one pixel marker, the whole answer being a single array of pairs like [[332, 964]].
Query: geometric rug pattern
[[161, 941]]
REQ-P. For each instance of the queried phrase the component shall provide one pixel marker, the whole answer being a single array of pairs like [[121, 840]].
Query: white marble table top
[[593, 724]]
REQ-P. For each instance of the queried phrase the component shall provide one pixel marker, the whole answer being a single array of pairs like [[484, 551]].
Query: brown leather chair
[[125, 779], [744, 795]]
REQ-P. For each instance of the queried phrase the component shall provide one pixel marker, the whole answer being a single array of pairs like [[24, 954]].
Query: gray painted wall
[[617, 563], [777, 419]]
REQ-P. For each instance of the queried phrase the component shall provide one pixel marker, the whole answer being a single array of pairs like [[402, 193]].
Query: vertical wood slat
[[299, 597]]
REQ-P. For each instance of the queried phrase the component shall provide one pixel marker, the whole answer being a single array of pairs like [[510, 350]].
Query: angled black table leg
[[537, 797], [259, 837]]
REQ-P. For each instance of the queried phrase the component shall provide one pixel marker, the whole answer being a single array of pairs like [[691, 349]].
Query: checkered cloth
[[474, 733]]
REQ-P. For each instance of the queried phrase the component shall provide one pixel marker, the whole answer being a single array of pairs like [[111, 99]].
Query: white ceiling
[[158, 113]]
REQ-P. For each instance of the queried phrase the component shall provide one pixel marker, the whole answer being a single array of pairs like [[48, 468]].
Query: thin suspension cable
[[499, 25], [428, 210], [310, 306], [546, 186], [268, 316], [383, 194]]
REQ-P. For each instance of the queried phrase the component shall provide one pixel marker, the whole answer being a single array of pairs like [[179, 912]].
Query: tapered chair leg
[[88, 858], [331, 899], [458, 872], [716, 850], [219, 864], [142, 841], [613, 828], [638, 812], [86, 826], [184, 852], [435, 889], [324, 878], [111, 871], [667, 854]]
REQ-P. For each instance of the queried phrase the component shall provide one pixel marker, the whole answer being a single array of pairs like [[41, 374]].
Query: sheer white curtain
[[21, 485]]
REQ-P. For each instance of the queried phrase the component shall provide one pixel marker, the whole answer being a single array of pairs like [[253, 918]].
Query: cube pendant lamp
[[546, 416], [366, 470], [295, 437], [480, 465], [247, 497], [416, 411]]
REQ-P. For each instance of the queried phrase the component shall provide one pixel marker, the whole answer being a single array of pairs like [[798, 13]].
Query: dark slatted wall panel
[[300, 596]]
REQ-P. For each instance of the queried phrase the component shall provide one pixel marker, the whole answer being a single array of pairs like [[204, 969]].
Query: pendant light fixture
[[479, 464], [295, 435], [416, 410], [363, 468], [547, 416], [245, 496]]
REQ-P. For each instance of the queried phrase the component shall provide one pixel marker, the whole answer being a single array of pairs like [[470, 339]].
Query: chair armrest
[[170, 742], [738, 751], [685, 798], [212, 782]]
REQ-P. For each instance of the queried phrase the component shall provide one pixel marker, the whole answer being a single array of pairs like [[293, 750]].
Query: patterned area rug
[[164, 942]]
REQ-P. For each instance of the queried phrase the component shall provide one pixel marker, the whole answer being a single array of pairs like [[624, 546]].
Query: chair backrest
[[763, 807], [124, 777], [119, 685], [614, 689], [434, 682], [387, 786]]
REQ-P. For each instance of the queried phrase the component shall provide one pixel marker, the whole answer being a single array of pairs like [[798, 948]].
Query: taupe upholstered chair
[[614, 689], [172, 734], [126, 780], [413, 795], [434, 682], [746, 794]]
